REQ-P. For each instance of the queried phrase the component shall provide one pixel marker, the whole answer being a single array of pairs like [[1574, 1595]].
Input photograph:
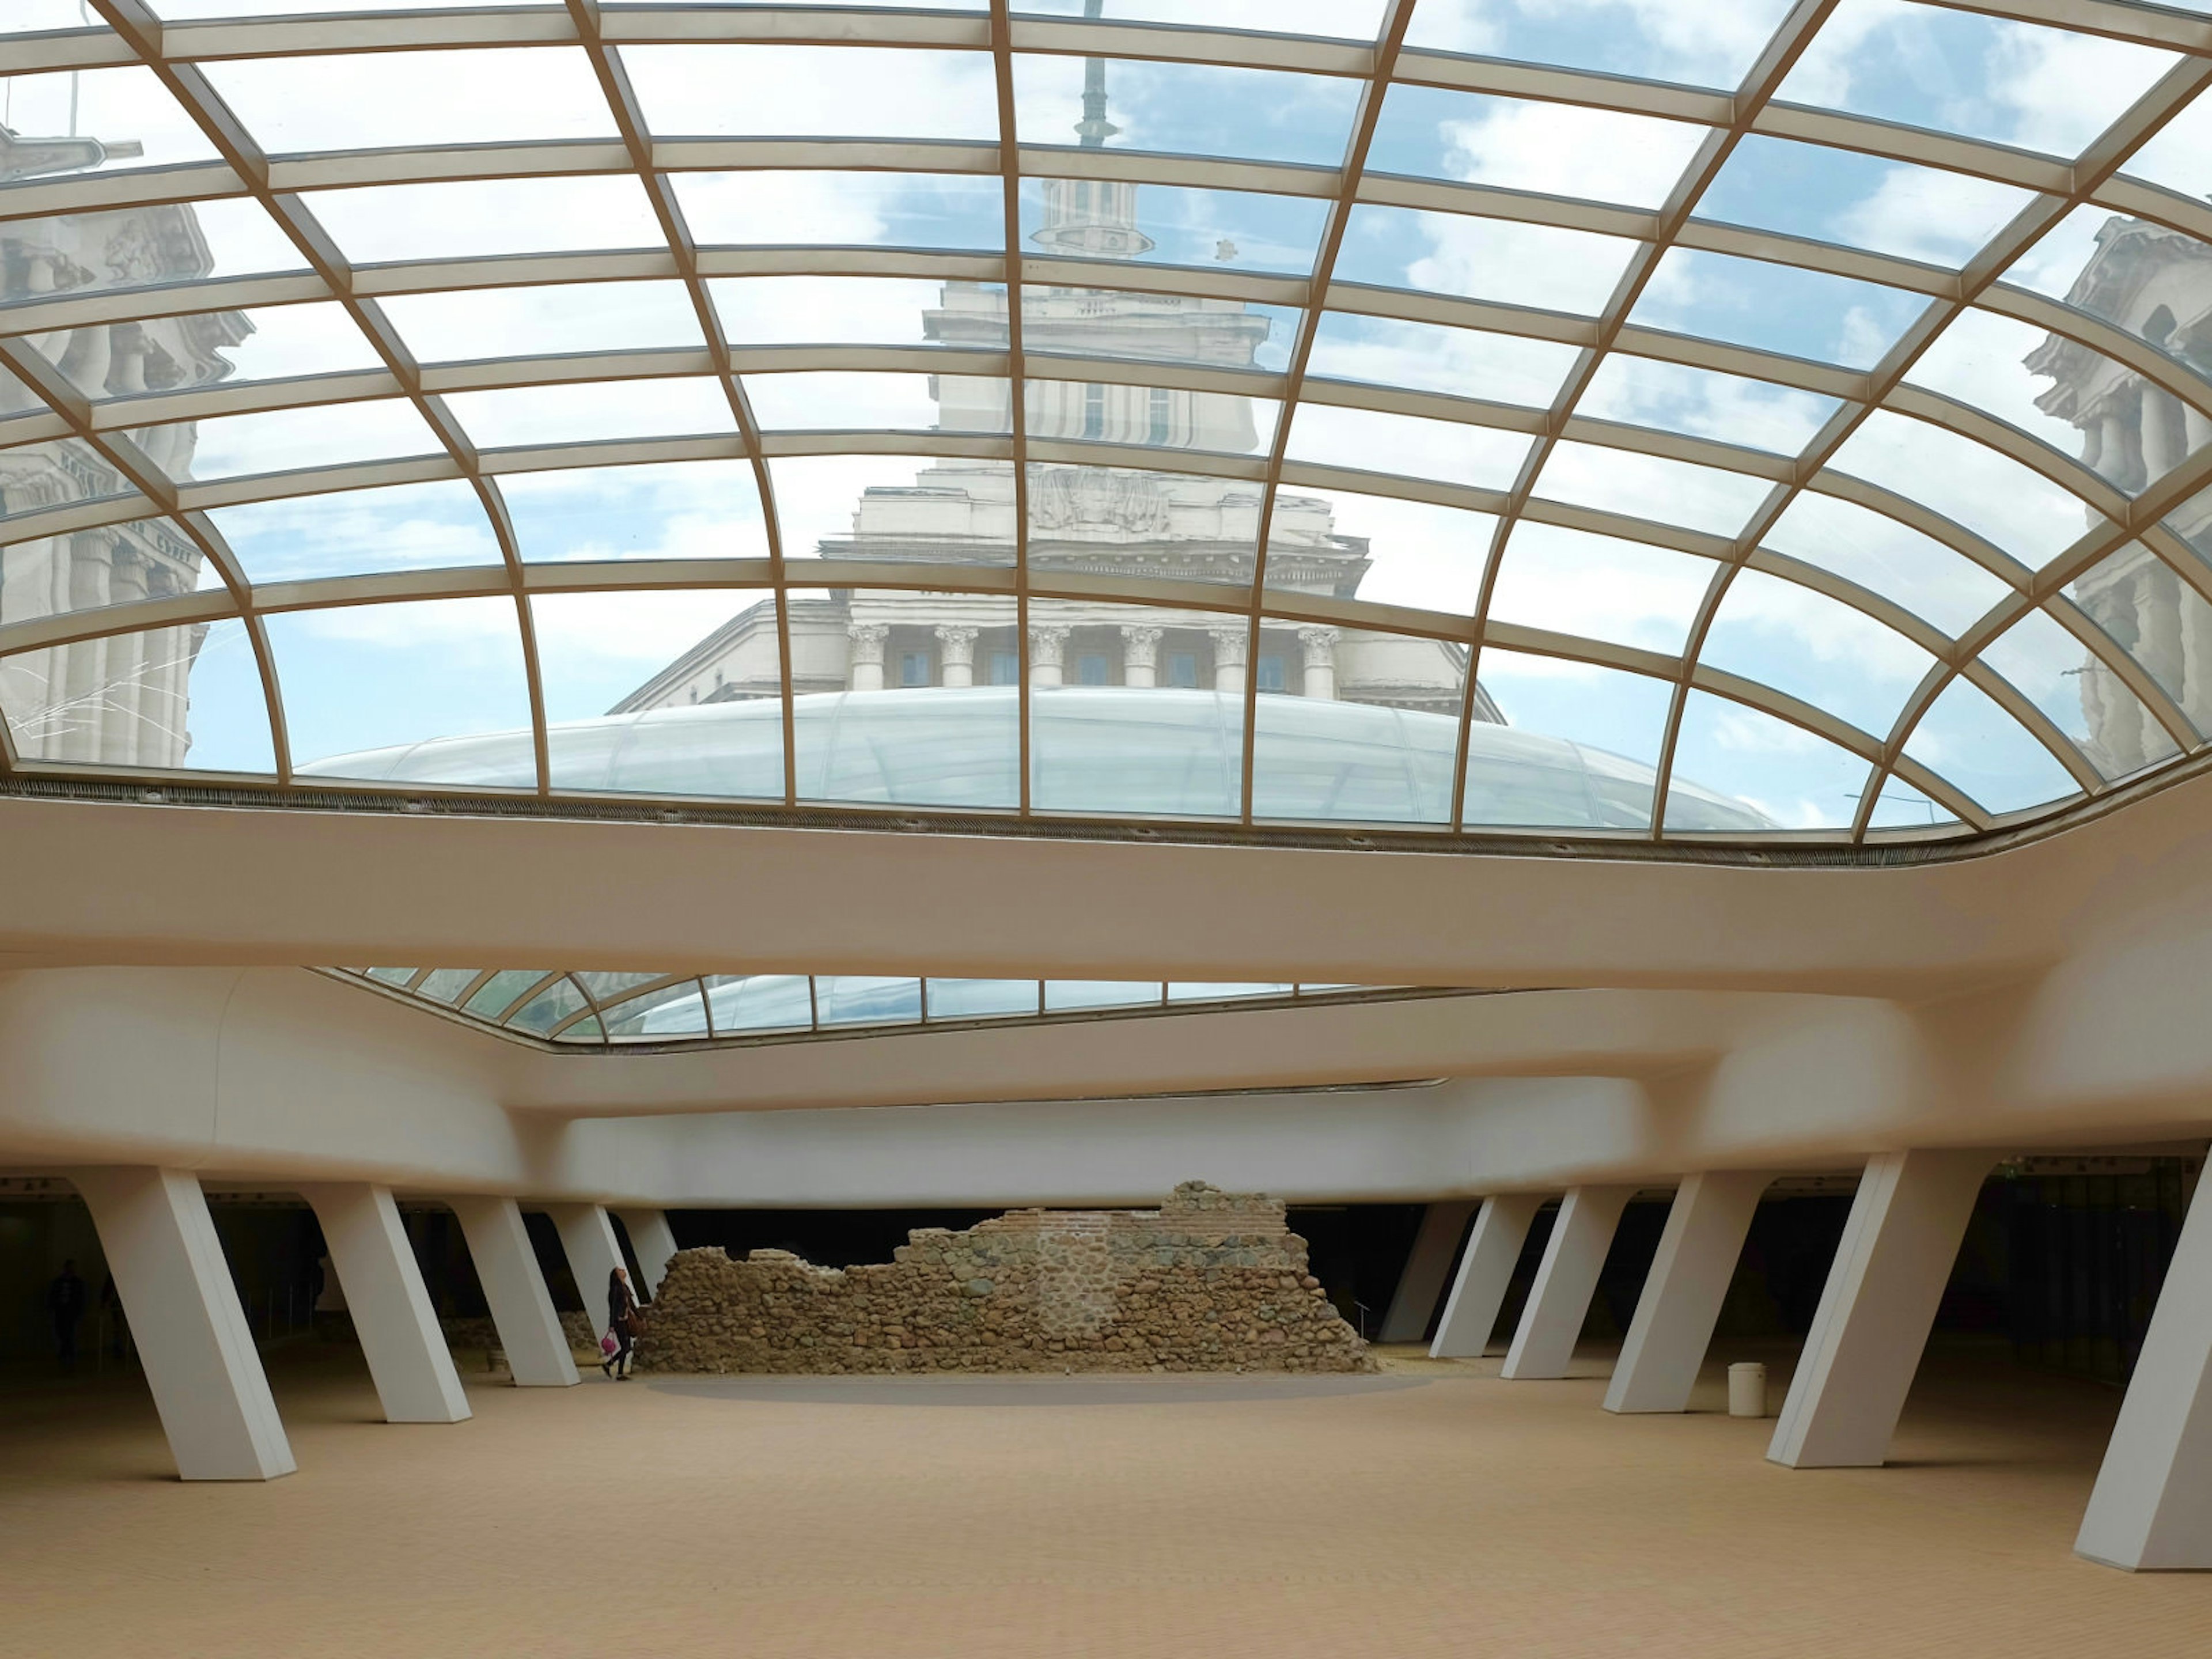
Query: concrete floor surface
[[1463, 1516]]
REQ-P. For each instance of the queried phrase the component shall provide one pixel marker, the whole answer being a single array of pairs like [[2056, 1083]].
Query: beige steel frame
[[174, 51]]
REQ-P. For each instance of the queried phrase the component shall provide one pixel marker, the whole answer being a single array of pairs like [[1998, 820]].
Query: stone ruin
[[1210, 1281]]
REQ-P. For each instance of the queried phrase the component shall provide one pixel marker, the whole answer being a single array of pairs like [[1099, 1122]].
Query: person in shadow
[[65, 1300]]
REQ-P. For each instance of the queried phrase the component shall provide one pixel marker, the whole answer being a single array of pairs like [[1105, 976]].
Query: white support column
[[1426, 1269], [652, 1242], [406, 1351], [1897, 1252], [594, 1252], [191, 1336], [1485, 1271], [1673, 1323], [521, 1308], [2152, 1505], [1318, 648], [1545, 1344]]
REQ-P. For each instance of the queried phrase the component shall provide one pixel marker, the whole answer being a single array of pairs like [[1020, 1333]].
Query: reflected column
[[956, 655], [867, 655], [1229, 648], [1141, 656], [1319, 645], [1047, 654]]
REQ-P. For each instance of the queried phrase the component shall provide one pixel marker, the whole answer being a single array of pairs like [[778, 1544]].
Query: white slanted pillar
[[1422, 1281], [589, 1237], [398, 1330], [1875, 1311], [2152, 1505], [191, 1336], [1674, 1316], [1545, 1344], [521, 1307], [652, 1242], [1485, 1271]]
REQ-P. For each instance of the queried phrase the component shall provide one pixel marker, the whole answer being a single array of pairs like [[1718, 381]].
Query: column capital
[[1229, 644], [1319, 644], [1047, 641], [867, 635]]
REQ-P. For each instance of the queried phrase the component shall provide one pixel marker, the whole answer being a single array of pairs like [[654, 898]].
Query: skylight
[[1661, 422]]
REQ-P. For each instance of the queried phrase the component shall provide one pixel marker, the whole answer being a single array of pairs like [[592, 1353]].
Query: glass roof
[[1664, 421], [624, 1010]]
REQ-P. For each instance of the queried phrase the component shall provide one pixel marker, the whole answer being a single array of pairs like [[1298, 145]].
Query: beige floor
[[1463, 1516]]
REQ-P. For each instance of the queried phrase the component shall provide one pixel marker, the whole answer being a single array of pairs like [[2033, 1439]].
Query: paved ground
[[1461, 1515]]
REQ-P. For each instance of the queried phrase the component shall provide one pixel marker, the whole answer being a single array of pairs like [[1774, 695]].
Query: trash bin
[[1747, 1390]]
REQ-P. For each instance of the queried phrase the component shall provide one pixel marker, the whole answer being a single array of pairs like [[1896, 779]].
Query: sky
[[394, 673]]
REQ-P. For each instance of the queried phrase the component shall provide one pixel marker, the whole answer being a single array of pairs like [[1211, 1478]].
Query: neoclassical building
[[121, 699], [1093, 520], [2156, 284]]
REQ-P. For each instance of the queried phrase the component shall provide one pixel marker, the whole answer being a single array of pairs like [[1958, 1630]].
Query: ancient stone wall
[[1210, 1281]]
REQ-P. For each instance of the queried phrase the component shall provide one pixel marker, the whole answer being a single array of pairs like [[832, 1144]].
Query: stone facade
[[1210, 1281]]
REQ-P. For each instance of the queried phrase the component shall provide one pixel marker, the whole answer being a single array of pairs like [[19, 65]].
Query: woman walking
[[622, 1324]]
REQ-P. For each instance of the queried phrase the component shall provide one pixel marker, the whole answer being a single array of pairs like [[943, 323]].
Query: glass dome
[[1459, 417], [1174, 754]]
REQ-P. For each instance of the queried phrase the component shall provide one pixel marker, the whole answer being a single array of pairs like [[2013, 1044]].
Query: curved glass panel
[[1560, 149], [2083, 696], [1859, 201], [669, 510], [1983, 77], [1701, 403], [1615, 721], [400, 527], [369, 676], [1382, 548], [1815, 649], [1967, 738], [1785, 773], [167, 698], [435, 395], [1884, 556], [1571, 581]]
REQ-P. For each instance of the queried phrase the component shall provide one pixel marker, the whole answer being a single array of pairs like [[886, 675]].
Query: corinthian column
[[867, 655], [1047, 653], [1319, 645], [1141, 656], [1229, 645], [956, 653]]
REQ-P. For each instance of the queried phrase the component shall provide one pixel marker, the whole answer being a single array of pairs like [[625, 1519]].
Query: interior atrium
[[1563, 647]]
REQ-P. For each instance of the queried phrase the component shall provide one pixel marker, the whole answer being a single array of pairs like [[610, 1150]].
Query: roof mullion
[[1788, 43], [637, 138], [2139, 24], [2099, 162], [1390, 39], [120, 451], [1010, 177], [238, 147]]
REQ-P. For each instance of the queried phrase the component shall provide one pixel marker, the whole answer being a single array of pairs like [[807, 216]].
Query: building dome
[[1097, 749]]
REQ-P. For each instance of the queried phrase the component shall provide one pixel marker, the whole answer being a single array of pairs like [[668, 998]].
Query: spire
[[1091, 218]]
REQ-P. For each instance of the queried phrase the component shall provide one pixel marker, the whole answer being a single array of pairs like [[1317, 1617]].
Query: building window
[[913, 668], [1094, 411], [1272, 675], [1183, 668], [1159, 427], [1005, 668], [1090, 668]]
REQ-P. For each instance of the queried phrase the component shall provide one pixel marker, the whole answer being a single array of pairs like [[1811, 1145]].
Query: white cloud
[[1706, 42], [367, 100], [1570, 581], [1724, 407], [1652, 487], [1921, 213], [593, 410], [1408, 444], [814, 91], [1562, 150], [526, 322], [1522, 264]]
